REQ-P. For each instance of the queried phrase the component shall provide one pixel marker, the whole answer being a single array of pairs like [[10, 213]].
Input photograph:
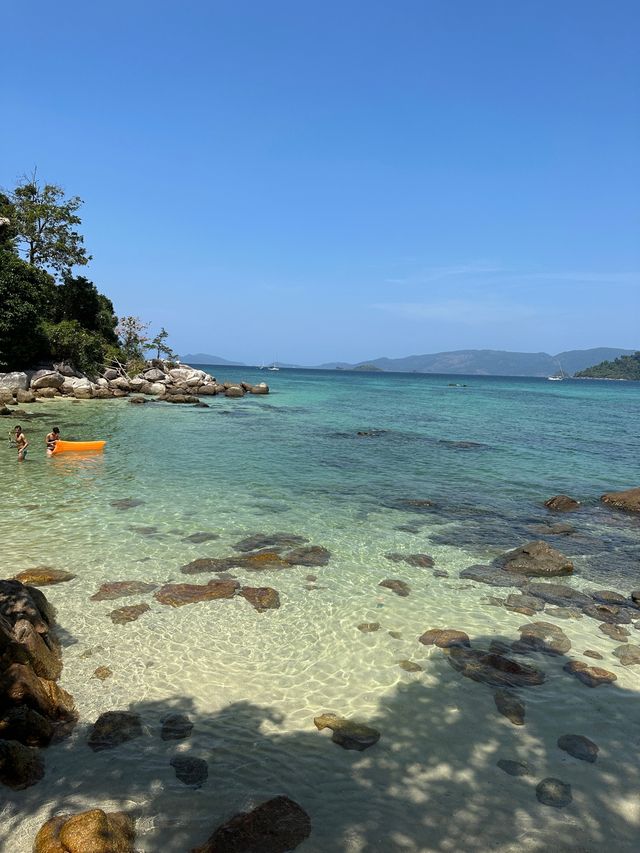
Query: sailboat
[[273, 365], [557, 377]]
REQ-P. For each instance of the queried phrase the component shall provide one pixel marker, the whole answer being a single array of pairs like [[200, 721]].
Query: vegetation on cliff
[[625, 367], [46, 313]]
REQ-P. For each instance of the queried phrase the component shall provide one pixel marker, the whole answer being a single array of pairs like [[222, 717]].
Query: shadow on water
[[430, 784]]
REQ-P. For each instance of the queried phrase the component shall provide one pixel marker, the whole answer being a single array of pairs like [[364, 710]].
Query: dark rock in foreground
[[492, 576], [191, 771], [554, 792], [89, 832], [492, 668], [348, 734], [277, 826], [20, 765], [113, 728], [628, 655], [614, 632], [368, 627], [579, 747]]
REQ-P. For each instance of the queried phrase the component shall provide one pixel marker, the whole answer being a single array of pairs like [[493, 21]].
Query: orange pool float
[[66, 446]]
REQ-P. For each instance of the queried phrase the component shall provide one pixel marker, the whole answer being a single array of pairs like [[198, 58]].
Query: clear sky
[[342, 180]]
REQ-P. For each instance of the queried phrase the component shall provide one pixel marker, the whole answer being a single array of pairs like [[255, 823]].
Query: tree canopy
[[624, 367]]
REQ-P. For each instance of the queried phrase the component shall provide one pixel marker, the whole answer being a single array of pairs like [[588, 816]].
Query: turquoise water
[[486, 452]]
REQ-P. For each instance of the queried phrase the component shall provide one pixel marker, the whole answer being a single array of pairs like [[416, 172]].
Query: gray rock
[[614, 632], [628, 655], [579, 747], [535, 559], [514, 768], [400, 588], [113, 728], [191, 771], [510, 706], [15, 381], [558, 593], [47, 379], [542, 637], [492, 576], [348, 734], [554, 792]]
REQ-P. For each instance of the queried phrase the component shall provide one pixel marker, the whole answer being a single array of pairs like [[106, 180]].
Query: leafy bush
[[26, 297], [68, 341]]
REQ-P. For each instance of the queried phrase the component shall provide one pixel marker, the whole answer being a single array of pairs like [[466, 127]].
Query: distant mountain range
[[490, 362], [479, 362], [206, 358]]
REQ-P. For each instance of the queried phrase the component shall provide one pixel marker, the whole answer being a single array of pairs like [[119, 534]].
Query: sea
[[373, 467]]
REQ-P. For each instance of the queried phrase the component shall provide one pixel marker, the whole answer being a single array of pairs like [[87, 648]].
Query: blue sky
[[343, 180]]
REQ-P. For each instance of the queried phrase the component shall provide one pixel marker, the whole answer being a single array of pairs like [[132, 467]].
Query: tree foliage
[[26, 296], [624, 367], [132, 336], [45, 223], [158, 344]]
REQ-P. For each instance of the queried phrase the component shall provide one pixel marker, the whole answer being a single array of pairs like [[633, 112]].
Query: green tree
[[69, 341], [7, 223], [26, 297], [131, 333], [79, 299], [158, 344], [45, 221]]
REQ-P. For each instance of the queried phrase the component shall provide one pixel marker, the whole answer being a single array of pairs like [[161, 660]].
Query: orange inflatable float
[[66, 446]]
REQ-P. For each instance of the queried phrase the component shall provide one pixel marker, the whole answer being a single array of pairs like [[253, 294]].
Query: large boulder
[[121, 382], [20, 766], [110, 374], [157, 389], [277, 826], [47, 379], [629, 500], [535, 559], [47, 393], [492, 668], [94, 831], [234, 391], [542, 637], [260, 388], [113, 728], [25, 396], [14, 381], [71, 383], [154, 375]]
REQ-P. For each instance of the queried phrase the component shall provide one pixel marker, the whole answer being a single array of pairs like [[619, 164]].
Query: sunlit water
[[252, 682]]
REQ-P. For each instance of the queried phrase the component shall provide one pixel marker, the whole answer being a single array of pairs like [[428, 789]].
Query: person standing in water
[[51, 440], [21, 443]]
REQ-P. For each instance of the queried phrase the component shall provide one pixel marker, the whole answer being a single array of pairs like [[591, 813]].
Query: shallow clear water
[[252, 682]]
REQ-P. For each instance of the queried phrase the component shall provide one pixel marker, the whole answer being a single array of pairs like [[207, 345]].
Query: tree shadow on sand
[[430, 783]]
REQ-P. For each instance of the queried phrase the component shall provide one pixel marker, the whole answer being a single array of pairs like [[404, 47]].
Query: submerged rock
[[628, 500], [562, 503], [102, 673], [89, 832], [308, 555], [113, 728], [44, 576], [179, 594], [608, 596], [610, 613], [559, 594], [348, 734], [192, 771], [276, 826], [23, 724], [126, 503], [129, 613], [491, 575], [410, 666], [591, 653], [536, 559], [201, 536], [120, 589], [510, 706], [614, 632], [176, 727], [421, 561], [579, 747], [492, 668], [523, 603], [542, 637], [554, 792], [368, 627], [592, 676], [628, 655], [514, 768], [261, 597], [400, 588], [20, 765], [444, 638], [269, 540]]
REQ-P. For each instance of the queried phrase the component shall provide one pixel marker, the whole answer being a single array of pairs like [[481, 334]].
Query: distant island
[[488, 362], [624, 367], [368, 367], [206, 358]]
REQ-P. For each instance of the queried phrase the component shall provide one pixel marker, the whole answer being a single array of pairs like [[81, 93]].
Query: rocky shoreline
[[162, 380]]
